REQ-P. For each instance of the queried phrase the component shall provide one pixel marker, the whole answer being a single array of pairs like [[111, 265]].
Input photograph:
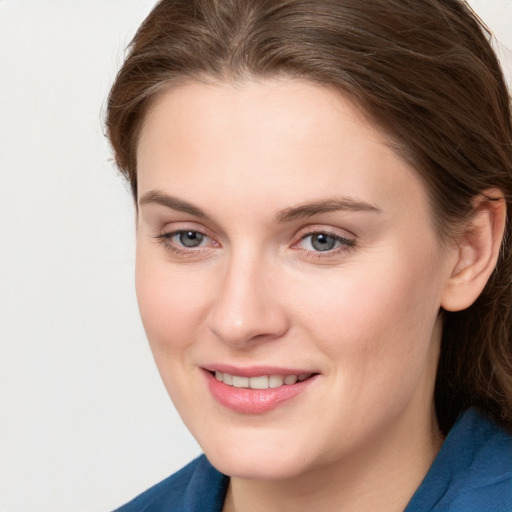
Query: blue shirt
[[471, 473]]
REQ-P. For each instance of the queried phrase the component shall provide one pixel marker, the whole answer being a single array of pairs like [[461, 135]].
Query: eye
[[186, 242], [324, 242], [188, 239]]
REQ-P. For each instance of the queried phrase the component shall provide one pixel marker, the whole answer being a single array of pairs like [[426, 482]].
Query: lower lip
[[254, 401]]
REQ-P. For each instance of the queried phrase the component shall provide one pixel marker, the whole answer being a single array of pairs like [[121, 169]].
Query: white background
[[85, 423]]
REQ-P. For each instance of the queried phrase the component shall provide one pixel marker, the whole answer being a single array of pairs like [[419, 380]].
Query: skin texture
[[363, 315]]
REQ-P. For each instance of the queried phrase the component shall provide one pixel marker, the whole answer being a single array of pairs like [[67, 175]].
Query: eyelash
[[345, 244], [165, 239]]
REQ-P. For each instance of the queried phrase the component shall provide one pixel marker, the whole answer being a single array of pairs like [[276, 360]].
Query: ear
[[478, 249]]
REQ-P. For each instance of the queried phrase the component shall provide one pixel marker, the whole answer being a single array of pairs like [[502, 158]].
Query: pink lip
[[254, 401]]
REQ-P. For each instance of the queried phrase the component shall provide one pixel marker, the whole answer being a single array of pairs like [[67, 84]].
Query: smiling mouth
[[256, 391], [261, 381]]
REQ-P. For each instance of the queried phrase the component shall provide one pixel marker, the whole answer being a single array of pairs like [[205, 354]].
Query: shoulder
[[472, 472], [196, 487]]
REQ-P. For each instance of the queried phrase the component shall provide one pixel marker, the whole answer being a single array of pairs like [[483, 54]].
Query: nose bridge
[[246, 306]]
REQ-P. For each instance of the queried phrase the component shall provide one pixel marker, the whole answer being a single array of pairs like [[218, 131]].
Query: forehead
[[255, 106], [274, 140]]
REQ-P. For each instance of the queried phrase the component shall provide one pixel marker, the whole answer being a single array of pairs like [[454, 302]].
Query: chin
[[256, 467], [256, 457]]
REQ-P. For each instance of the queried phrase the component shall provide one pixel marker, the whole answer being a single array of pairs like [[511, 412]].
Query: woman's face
[[278, 238]]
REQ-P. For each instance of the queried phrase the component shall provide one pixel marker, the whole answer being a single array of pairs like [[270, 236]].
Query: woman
[[322, 266]]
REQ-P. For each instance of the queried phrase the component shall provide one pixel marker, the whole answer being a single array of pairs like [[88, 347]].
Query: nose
[[247, 307]]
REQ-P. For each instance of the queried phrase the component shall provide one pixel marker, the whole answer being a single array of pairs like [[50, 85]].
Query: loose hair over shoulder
[[422, 70]]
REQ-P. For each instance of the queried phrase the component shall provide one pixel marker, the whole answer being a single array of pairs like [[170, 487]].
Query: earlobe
[[478, 250]]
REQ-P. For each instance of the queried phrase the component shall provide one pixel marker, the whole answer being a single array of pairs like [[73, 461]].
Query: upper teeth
[[261, 382]]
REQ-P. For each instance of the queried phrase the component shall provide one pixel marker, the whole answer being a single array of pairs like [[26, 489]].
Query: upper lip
[[256, 371]]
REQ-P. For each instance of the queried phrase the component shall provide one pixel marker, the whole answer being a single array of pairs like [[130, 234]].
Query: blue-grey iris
[[191, 238], [323, 242]]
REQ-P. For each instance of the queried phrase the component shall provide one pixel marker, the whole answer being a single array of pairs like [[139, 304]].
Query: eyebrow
[[325, 206], [155, 197], [297, 212]]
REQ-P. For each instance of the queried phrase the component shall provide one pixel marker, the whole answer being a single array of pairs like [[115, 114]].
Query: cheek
[[375, 325], [170, 302]]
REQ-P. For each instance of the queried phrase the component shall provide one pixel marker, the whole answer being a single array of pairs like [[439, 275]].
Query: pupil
[[191, 238], [323, 242]]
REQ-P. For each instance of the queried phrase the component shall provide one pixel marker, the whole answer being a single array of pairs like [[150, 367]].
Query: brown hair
[[423, 70]]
